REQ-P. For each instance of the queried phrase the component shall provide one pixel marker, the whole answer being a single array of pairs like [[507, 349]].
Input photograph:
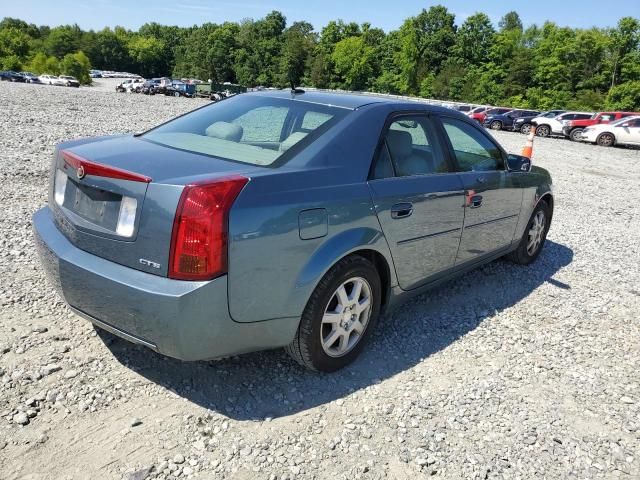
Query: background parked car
[[553, 126], [30, 77], [625, 131], [180, 89], [506, 120], [480, 116], [69, 81], [11, 76], [477, 110], [131, 85], [573, 128], [49, 79], [523, 124]]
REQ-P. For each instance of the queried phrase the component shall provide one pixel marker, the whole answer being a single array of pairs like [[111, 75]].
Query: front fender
[[538, 186], [332, 251]]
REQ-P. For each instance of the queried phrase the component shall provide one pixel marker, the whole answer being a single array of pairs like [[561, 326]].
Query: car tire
[[543, 131], [176, 94], [576, 134], [526, 128], [606, 140], [327, 346], [495, 125], [534, 235]]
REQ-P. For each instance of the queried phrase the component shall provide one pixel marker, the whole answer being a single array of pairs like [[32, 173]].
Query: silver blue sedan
[[281, 219]]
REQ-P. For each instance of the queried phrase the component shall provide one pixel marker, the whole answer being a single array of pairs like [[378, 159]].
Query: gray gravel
[[508, 372]]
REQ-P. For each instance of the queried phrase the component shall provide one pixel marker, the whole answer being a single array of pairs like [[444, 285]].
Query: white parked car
[[553, 126], [50, 79], [131, 85], [625, 131]]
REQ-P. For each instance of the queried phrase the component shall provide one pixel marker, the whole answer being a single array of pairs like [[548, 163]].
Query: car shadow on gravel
[[269, 384]]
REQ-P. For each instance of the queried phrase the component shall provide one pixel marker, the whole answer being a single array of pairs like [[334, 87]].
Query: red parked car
[[480, 116], [573, 128]]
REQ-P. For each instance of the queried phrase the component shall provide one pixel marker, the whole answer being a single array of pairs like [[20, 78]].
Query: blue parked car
[[506, 121], [281, 219]]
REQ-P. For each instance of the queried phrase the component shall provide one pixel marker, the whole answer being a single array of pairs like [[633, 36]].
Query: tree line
[[539, 67]]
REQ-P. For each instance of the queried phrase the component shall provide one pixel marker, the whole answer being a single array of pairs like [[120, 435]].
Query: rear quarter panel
[[272, 271]]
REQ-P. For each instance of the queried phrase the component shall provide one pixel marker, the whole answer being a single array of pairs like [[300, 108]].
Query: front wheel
[[576, 134], [176, 94], [534, 235], [339, 317], [496, 125], [606, 140], [543, 131]]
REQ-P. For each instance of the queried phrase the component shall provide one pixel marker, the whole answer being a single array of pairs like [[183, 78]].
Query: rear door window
[[410, 147]]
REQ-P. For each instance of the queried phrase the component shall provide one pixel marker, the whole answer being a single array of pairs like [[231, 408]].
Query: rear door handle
[[401, 210], [475, 201]]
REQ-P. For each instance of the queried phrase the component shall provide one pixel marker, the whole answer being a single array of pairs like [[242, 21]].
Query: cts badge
[[149, 263], [80, 172]]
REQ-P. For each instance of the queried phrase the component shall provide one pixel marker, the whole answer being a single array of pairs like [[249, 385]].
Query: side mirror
[[518, 163]]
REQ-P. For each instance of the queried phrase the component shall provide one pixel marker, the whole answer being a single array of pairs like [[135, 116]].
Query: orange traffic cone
[[527, 151]]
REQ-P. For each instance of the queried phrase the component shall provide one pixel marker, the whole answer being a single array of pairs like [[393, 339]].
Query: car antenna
[[295, 91]]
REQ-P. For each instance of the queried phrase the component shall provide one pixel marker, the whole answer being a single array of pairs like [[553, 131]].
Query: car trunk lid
[[117, 197]]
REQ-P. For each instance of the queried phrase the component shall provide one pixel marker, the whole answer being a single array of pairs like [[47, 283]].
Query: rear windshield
[[249, 128]]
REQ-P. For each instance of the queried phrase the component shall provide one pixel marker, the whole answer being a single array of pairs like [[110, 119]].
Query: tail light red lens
[[200, 229]]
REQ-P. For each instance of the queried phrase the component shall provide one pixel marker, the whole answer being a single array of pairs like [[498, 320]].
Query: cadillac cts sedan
[[281, 219]]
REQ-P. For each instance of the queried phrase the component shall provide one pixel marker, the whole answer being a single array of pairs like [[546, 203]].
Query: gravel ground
[[508, 372]]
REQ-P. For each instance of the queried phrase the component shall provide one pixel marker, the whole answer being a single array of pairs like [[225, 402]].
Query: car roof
[[351, 101]]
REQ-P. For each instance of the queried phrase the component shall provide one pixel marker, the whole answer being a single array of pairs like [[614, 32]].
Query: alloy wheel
[[543, 131], [536, 232], [346, 317], [526, 128], [605, 140]]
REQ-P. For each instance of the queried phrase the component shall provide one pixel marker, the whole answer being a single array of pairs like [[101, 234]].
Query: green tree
[[624, 97], [510, 21], [353, 60], [63, 40], [146, 52], [474, 39], [77, 65], [298, 43]]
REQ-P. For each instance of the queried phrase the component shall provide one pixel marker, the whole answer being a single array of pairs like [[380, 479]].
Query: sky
[[386, 14]]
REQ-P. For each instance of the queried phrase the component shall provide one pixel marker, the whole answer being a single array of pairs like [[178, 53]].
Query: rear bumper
[[181, 319]]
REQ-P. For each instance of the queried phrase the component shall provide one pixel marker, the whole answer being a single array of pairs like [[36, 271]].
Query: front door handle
[[475, 201], [401, 210]]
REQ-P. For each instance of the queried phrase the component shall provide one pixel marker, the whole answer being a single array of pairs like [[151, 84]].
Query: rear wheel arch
[[383, 268], [365, 242]]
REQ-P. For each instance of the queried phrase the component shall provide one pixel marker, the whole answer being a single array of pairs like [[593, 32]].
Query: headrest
[[291, 140], [399, 143], [225, 131]]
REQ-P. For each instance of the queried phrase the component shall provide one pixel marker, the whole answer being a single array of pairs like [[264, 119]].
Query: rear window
[[250, 129]]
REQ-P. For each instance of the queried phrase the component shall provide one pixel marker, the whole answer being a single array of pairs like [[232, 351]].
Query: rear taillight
[[199, 238]]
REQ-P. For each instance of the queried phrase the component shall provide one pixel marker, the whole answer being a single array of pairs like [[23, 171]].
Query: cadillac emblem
[[80, 172]]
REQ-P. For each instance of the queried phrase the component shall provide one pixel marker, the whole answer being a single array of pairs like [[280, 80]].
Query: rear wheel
[[496, 125], [543, 131], [576, 134], [176, 94], [606, 140], [339, 317], [534, 235]]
